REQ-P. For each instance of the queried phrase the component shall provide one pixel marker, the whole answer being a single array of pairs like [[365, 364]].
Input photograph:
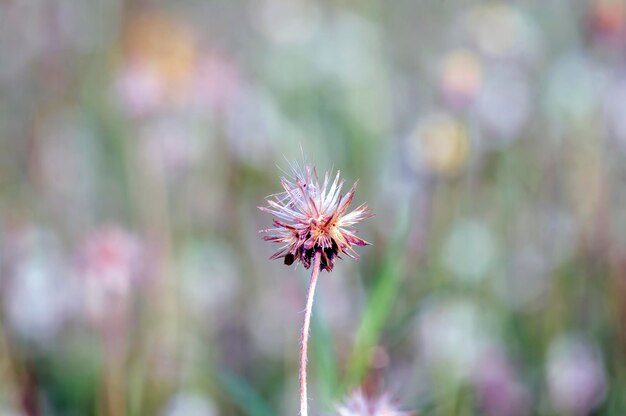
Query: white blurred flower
[[443, 326], [503, 104], [37, 301], [138, 89], [360, 404], [39, 293], [573, 106], [470, 251], [575, 374], [503, 31], [189, 404], [299, 20]]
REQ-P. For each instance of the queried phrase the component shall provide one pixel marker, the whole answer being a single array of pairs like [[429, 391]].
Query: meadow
[[138, 140]]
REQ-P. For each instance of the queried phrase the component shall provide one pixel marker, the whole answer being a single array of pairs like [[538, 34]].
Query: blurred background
[[137, 139]]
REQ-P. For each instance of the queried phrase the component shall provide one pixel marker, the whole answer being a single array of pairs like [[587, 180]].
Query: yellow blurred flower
[[439, 144], [165, 47], [461, 76]]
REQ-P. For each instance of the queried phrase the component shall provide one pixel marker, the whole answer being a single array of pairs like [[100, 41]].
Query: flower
[[113, 257], [498, 387], [111, 264], [575, 374], [312, 219], [359, 404], [187, 403]]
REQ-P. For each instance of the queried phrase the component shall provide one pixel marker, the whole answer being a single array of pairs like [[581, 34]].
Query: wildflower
[[111, 263], [360, 404], [312, 219], [188, 403], [113, 256], [498, 387], [35, 273], [576, 375], [314, 229]]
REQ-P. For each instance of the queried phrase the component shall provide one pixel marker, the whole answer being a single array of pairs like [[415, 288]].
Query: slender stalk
[[305, 333]]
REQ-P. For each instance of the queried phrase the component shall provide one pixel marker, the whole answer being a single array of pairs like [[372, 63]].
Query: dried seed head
[[359, 404], [311, 218]]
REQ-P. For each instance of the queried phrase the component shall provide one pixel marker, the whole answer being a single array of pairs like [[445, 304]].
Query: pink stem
[[305, 333]]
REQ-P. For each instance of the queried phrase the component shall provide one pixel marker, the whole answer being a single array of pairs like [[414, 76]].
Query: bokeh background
[[137, 139]]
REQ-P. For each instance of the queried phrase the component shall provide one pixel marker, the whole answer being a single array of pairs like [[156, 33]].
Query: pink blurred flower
[[461, 77], [576, 376], [139, 89], [217, 82], [605, 23], [111, 264], [499, 391], [444, 324]]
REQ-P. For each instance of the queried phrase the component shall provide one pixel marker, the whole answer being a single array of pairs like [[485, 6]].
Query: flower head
[[111, 262], [360, 404], [312, 219]]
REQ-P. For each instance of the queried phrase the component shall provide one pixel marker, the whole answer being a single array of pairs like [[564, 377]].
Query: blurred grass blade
[[379, 304], [243, 394]]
